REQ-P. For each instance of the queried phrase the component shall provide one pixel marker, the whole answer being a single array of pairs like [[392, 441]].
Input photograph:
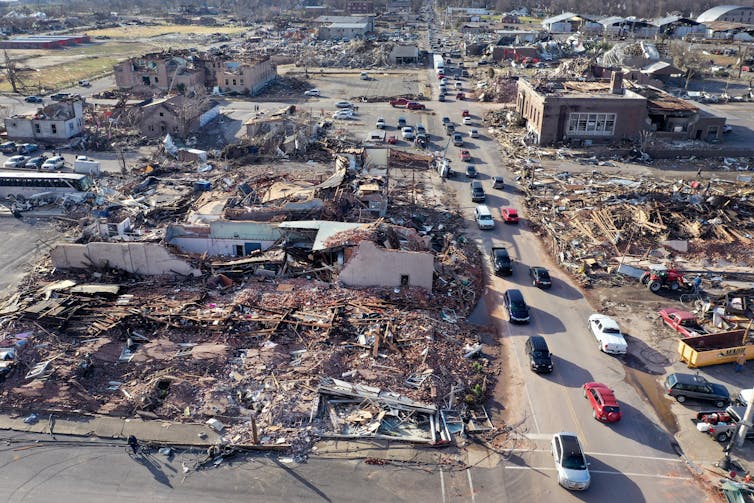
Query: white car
[[473, 133], [459, 85], [312, 92], [608, 334], [380, 123], [343, 114], [466, 120], [54, 162], [570, 461], [343, 104], [17, 161], [407, 133]]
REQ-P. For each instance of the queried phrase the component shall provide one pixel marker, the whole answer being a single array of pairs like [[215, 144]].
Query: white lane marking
[[442, 485], [602, 472], [471, 485], [634, 456]]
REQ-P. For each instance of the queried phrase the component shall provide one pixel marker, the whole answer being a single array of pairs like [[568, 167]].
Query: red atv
[[659, 276]]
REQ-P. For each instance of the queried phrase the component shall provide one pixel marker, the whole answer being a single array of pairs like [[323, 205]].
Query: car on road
[[401, 121], [34, 99], [450, 128], [510, 215], [608, 334], [408, 133], [540, 277], [465, 155], [392, 140], [473, 133], [27, 148], [498, 182], [380, 123], [85, 83], [683, 322], [8, 147], [420, 129], [441, 97], [59, 96], [465, 113], [17, 161], [477, 192], [55, 162], [518, 311], [312, 92], [570, 461], [415, 105], [35, 162], [501, 261], [399, 102], [460, 96], [483, 217], [466, 120], [540, 358], [445, 120], [343, 114], [605, 407], [471, 171], [685, 386], [458, 139], [343, 104]]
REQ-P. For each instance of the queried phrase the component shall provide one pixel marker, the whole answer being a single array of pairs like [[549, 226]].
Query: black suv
[[683, 386], [540, 277], [518, 311], [501, 261], [540, 360], [477, 192]]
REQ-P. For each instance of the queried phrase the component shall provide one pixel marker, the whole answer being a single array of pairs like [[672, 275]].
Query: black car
[[540, 277], [694, 386], [471, 171], [35, 162], [59, 96], [33, 99], [540, 360], [8, 147], [518, 311], [477, 192], [501, 261]]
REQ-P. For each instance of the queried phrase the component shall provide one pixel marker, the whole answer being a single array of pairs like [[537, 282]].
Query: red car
[[465, 113], [510, 215], [460, 96], [392, 140], [413, 105], [605, 407], [440, 76], [465, 155], [399, 102], [683, 322]]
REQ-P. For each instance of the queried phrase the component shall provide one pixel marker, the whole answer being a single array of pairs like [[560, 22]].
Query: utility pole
[[10, 72]]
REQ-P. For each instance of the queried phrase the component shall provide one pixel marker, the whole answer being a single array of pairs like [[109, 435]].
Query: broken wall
[[137, 258], [373, 266], [235, 239]]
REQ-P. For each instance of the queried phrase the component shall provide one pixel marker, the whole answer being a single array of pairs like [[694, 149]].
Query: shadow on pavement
[[567, 373]]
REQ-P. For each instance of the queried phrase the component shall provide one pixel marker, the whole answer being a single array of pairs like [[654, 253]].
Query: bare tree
[[687, 60]]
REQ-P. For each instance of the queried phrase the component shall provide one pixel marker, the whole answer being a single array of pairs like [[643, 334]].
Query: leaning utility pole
[[10, 72]]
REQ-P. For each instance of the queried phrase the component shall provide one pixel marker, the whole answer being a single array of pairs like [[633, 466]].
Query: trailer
[[86, 165], [438, 63], [714, 349]]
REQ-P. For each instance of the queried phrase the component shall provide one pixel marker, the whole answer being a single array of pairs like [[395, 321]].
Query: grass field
[[136, 32]]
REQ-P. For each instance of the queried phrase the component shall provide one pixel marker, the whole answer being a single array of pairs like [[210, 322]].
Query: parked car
[[570, 461], [465, 113], [27, 148], [498, 182], [473, 132], [343, 104], [477, 192], [540, 277], [465, 155], [420, 129], [466, 120], [459, 85], [471, 171], [460, 96], [510, 215], [8, 147], [55, 162], [483, 217], [343, 114], [380, 123], [414, 105], [605, 407], [683, 322], [685, 386], [17, 161], [34, 99], [608, 334], [441, 97], [501, 261], [444, 81], [540, 358], [450, 128], [392, 140], [312, 92], [445, 120], [85, 83], [408, 133], [59, 96], [35, 162], [457, 139], [401, 121], [723, 424], [518, 311], [399, 102]]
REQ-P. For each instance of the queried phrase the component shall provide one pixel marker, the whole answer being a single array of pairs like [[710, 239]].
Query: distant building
[[356, 7], [161, 72], [176, 115], [568, 22], [679, 27], [56, 122], [243, 76], [43, 41], [628, 27], [343, 27], [404, 54], [730, 13]]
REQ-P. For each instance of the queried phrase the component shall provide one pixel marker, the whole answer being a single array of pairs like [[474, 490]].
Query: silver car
[[570, 461]]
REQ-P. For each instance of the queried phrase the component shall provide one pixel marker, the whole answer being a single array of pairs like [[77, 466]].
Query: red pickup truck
[[683, 322], [399, 102]]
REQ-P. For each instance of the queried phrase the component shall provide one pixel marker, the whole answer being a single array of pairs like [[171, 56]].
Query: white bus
[[28, 184]]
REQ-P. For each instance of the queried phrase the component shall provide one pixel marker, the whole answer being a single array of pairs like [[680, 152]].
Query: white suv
[[483, 217]]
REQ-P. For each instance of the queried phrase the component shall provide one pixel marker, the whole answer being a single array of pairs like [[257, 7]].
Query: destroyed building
[[343, 27], [55, 122], [599, 111], [242, 76], [177, 115], [160, 72]]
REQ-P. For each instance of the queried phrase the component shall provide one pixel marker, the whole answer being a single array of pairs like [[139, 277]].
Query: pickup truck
[[683, 322], [722, 424], [399, 102], [501, 261]]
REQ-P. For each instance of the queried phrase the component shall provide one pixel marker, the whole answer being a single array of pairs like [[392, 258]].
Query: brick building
[[242, 76]]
